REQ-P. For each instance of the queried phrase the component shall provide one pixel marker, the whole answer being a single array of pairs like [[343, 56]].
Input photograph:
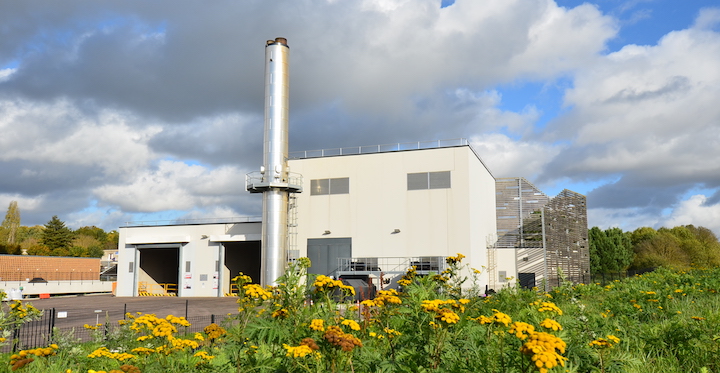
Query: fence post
[[51, 325], [212, 319], [16, 338]]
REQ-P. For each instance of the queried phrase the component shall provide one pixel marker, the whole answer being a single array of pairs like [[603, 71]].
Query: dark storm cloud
[[624, 194], [30, 178], [217, 141]]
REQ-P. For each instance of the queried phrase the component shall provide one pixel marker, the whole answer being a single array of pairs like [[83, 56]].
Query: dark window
[[428, 180], [330, 186], [319, 187]]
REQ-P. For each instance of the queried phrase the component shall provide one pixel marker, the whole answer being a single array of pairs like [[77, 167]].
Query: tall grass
[[664, 321]]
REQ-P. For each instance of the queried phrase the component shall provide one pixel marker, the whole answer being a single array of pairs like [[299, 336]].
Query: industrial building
[[363, 214], [369, 215]]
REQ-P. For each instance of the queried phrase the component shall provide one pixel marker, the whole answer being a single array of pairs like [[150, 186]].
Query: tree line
[[53, 238], [682, 247]]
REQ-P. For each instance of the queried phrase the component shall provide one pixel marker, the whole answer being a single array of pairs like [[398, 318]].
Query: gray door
[[527, 280], [324, 252]]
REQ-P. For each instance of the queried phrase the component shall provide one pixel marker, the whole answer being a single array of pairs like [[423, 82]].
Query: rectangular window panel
[[187, 266], [502, 276], [340, 186], [131, 267], [417, 181], [319, 187], [440, 180]]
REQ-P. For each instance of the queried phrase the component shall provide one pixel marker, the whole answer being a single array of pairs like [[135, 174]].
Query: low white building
[[367, 212]]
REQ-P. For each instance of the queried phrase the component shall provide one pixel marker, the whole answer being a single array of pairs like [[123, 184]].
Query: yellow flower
[[297, 351], [608, 342], [448, 316], [317, 324], [501, 318], [551, 324], [549, 307], [521, 330], [204, 355], [351, 323]]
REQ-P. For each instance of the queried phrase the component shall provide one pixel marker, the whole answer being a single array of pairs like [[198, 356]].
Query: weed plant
[[664, 321]]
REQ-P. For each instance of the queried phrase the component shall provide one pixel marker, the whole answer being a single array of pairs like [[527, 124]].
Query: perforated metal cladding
[[417, 181], [439, 180], [340, 185]]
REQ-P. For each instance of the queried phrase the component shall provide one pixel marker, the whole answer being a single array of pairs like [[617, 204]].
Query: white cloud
[[6, 73], [649, 113], [173, 185], [509, 158], [708, 19], [694, 211], [627, 219], [60, 133]]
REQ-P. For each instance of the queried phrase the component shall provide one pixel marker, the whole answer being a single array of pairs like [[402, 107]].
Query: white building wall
[[201, 245], [434, 222]]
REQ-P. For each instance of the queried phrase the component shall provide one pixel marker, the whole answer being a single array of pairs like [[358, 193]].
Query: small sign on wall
[[188, 280]]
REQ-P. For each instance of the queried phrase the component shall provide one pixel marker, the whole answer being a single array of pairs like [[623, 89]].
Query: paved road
[[81, 309]]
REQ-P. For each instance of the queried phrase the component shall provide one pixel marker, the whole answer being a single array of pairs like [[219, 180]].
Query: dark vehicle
[[38, 280]]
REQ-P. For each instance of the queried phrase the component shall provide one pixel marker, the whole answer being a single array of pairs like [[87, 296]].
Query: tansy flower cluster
[[25, 357], [317, 324], [383, 297], [544, 350], [391, 333], [521, 330], [255, 291], [297, 351], [306, 347], [20, 312], [547, 307], [454, 259], [408, 277], [156, 327], [214, 331], [281, 313], [241, 279], [499, 318], [125, 368], [351, 323], [551, 324], [324, 284], [104, 352], [443, 309], [204, 355], [608, 342], [335, 336]]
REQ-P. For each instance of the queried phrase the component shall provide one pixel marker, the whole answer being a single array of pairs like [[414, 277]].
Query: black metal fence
[[42, 332]]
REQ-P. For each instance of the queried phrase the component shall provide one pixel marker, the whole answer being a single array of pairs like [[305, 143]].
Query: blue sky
[[130, 110]]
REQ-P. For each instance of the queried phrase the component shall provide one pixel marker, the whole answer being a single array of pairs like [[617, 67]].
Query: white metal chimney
[[274, 181]]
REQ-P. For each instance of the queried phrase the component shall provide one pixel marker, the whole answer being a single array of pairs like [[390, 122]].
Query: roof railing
[[383, 148]]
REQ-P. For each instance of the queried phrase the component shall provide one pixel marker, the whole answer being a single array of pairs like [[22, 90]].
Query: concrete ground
[[81, 310]]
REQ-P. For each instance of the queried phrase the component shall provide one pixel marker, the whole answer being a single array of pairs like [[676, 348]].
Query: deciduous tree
[[610, 250], [11, 224]]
